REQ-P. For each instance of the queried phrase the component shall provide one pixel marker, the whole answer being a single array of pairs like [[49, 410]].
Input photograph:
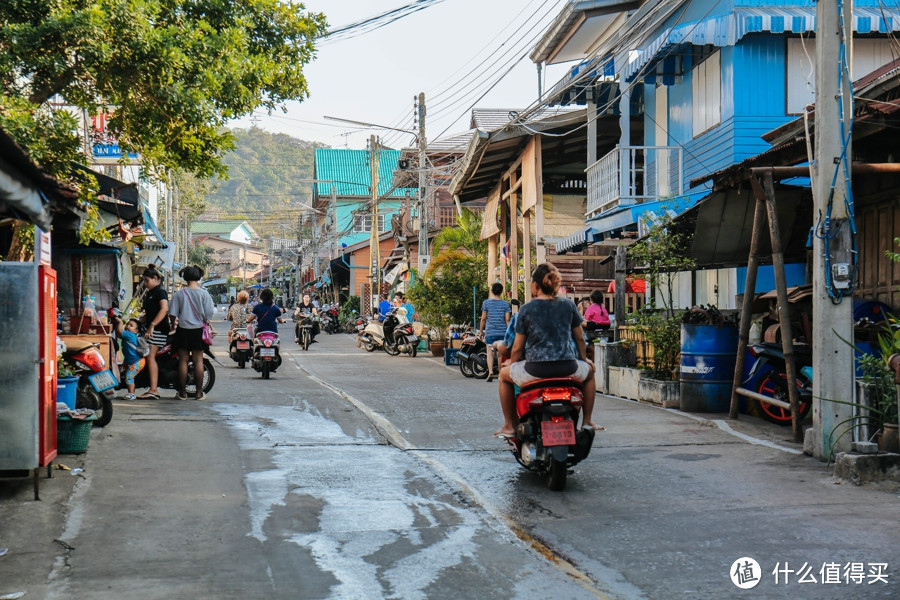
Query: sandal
[[148, 396], [181, 396]]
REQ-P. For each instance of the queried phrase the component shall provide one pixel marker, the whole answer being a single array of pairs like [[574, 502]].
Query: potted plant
[[66, 382]]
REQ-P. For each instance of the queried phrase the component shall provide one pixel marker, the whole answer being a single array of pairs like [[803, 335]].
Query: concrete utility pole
[[832, 258], [375, 259], [424, 250]]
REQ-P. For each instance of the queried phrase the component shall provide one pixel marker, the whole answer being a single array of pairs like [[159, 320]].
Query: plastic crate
[[451, 357], [73, 435]]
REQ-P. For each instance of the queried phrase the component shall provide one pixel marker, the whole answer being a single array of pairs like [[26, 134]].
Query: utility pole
[[833, 252], [375, 262], [334, 224], [315, 222], [424, 250]]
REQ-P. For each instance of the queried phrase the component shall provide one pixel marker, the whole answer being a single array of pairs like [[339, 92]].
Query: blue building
[[696, 84]]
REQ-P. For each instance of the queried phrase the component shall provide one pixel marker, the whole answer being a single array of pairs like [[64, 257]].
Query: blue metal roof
[[351, 172], [728, 29]]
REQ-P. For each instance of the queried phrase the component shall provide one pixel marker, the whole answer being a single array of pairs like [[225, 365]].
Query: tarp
[[635, 286]]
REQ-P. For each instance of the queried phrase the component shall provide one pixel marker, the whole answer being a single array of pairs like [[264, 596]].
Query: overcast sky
[[453, 50]]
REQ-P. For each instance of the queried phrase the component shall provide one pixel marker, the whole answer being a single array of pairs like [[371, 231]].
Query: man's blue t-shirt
[[548, 324], [384, 307], [266, 317]]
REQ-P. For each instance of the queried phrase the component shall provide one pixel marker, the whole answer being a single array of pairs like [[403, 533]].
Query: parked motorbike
[[96, 383], [266, 354], [398, 337], [303, 330], [330, 318], [240, 346], [771, 370], [370, 333], [167, 361], [472, 356], [547, 440]]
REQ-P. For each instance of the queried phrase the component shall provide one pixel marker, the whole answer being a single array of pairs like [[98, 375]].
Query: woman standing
[[546, 328], [192, 306], [495, 313], [156, 321]]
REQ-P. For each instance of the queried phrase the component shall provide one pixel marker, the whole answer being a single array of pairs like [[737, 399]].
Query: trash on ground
[[61, 467], [13, 596], [77, 470]]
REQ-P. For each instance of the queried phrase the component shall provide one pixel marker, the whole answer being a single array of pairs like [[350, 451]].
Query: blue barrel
[[708, 356], [66, 390]]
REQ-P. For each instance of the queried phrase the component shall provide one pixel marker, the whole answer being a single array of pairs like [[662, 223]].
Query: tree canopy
[[171, 72]]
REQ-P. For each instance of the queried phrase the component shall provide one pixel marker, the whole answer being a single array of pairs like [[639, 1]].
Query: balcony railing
[[634, 174]]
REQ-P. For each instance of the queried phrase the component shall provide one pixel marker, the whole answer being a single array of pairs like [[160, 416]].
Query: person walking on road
[[156, 320], [193, 307], [495, 313]]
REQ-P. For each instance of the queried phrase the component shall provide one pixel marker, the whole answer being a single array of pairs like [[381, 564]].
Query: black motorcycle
[[472, 356], [304, 329], [399, 337], [167, 361], [330, 317], [770, 373]]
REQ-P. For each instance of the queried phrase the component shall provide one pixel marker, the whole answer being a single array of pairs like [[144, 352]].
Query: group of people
[[545, 338], [405, 309]]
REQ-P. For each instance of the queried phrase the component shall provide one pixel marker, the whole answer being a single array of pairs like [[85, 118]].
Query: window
[[362, 223], [706, 85]]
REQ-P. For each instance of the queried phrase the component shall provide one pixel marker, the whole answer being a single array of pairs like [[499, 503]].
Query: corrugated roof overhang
[[728, 29]]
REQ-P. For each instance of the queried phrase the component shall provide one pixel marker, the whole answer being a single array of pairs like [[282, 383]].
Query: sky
[[453, 50]]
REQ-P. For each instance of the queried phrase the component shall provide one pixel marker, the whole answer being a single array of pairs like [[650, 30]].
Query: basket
[[73, 435]]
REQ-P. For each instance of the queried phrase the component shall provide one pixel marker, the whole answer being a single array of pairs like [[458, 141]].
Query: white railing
[[630, 175]]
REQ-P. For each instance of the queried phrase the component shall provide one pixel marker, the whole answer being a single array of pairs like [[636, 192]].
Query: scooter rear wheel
[[479, 365], [100, 403], [556, 475], [774, 385], [209, 378]]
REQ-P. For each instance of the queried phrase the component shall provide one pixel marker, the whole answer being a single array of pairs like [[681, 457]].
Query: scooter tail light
[[752, 350], [93, 359], [268, 343], [556, 394], [243, 336]]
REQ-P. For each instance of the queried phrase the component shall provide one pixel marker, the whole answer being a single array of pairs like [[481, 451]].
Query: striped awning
[[577, 241], [728, 29]]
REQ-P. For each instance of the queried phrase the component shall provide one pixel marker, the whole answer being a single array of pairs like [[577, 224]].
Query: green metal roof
[[351, 173], [214, 227]]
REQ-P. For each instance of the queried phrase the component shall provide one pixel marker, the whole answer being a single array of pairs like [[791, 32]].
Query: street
[[359, 475]]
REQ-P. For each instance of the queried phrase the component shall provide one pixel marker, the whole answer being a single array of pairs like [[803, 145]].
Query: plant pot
[[66, 388], [889, 441], [437, 348]]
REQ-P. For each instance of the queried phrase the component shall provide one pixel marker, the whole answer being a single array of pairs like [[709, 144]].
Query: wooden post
[[514, 237], [749, 294], [620, 288], [526, 251], [784, 312]]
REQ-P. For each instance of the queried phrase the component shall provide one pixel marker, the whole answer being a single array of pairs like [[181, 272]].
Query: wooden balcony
[[632, 175]]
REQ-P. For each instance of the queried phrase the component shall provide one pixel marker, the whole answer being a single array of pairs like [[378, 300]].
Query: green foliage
[[664, 334], [444, 295], [465, 236], [63, 368], [201, 255], [663, 252], [349, 308], [174, 72]]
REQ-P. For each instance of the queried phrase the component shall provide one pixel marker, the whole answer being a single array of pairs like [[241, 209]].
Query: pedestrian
[[193, 307], [156, 321], [237, 313], [410, 309], [131, 354], [495, 313], [384, 307], [582, 305], [596, 316], [546, 328]]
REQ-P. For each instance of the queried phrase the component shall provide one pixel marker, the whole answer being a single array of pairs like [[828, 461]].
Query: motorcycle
[[240, 346], [96, 383], [546, 440], [370, 333], [331, 321], [473, 357], [399, 337], [266, 355], [167, 362], [303, 330], [771, 370]]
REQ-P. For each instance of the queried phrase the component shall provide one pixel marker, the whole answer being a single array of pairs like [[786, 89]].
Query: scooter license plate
[[558, 433], [103, 380], [267, 351], [412, 339], [243, 345]]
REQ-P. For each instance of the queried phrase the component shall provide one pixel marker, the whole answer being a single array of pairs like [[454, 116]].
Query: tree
[[465, 235], [172, 73], [201, 255]]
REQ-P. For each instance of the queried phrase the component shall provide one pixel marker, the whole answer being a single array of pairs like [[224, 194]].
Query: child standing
[[129, 334]]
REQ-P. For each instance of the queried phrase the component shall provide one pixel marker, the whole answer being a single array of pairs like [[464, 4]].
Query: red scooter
[[547, 438], [96, 383]]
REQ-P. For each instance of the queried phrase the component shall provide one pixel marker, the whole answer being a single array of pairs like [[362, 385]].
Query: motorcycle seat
[[552, 382]]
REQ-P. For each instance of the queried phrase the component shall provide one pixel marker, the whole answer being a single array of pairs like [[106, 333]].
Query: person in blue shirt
[[266, 314], [495, 314], [132, 357], [384, 307]]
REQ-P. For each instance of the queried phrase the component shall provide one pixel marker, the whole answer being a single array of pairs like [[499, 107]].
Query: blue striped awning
[[577, 241], [728, 29]]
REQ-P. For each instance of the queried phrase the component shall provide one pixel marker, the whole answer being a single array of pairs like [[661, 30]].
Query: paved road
[[357, 475]]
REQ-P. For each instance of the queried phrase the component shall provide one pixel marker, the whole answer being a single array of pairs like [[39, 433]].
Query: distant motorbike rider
[[307, 307]]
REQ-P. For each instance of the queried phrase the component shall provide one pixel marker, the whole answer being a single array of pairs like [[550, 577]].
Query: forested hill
[[263, 186]]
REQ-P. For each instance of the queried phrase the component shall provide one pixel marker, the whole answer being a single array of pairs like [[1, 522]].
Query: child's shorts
[[130, 371]]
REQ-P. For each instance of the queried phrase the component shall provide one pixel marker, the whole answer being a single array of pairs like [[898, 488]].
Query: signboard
[[105, 142]]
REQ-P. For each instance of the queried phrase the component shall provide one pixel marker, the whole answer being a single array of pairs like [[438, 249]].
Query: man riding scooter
[[307, 308]]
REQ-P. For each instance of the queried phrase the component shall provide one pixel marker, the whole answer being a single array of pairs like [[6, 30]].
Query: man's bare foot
[[505, 432]]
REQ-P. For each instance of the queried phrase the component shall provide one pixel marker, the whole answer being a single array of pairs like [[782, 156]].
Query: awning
[[213, 282], [578, 240], [728, 29], [116, 197]]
